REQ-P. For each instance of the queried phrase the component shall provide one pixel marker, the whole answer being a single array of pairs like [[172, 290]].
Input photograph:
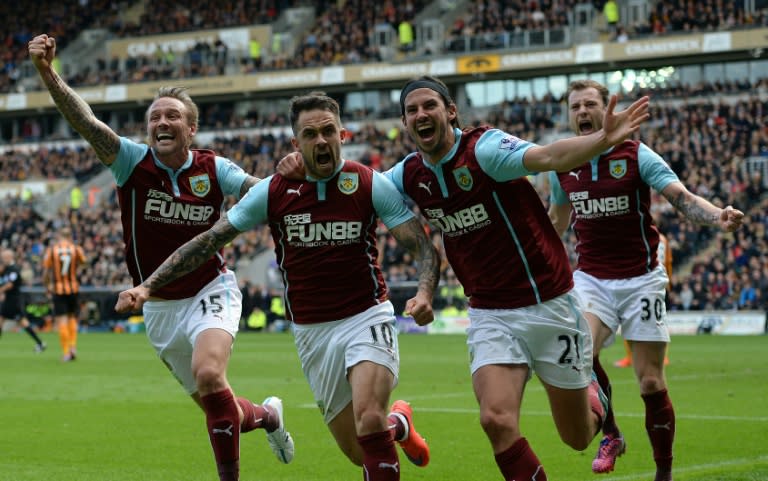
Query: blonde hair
[[180, 94]]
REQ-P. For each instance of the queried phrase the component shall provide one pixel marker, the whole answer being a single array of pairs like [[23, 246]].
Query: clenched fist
[[42, 50]]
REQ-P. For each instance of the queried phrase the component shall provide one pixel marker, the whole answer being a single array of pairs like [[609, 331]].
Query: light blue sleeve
[[251, 210], [500, 155], [388, 202], [230, 175], [395, 174], [557, 195], [653, 170], [127, 159]]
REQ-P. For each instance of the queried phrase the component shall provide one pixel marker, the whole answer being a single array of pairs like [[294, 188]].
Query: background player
[[622, 284], [61, 263], [10, 297]]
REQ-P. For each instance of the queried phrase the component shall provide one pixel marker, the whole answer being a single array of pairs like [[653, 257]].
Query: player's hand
[[292, 166], [618, 127], [132, 300], [731, 219], [420, 309], [42, 50]]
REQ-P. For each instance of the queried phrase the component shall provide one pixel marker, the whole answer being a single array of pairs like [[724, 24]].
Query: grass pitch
[[116, 414]]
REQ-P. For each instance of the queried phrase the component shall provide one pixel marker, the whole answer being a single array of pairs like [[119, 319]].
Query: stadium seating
[[705, 131], [340, 34]]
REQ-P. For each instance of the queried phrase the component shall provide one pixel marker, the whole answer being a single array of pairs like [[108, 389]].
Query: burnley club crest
[[200, 185]]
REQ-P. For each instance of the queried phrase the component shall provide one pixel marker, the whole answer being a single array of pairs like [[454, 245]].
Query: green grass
[[116, 414]]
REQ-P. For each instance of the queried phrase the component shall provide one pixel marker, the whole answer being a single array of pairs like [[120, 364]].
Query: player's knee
[[498, 424], [651, 383], [371, 421], [209, 378]]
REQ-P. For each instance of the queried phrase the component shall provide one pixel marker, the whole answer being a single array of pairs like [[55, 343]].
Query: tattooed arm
[[701, 211], [105, 142], [411, 235], [249, 182], [184, 260]]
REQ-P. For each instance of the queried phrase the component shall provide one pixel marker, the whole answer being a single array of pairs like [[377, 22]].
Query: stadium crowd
[[705, 142], [670, 16], [341, 34]]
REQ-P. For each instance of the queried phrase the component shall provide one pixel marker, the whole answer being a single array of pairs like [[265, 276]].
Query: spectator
[[748, 296], [611, 15]]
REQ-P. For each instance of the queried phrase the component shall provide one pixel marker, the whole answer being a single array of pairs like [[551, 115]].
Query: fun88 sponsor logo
[[583, 206], [324, 231], [464, 220], [165, 210]]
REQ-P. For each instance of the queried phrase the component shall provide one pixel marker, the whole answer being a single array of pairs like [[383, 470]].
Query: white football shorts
[[635, 304], [173, 326], [552, 338], [328, 350]]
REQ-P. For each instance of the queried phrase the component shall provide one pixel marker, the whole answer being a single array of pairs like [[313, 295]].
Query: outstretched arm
[[701, 211], [566, 154], [182, 261], [411, 235], [105, 142]]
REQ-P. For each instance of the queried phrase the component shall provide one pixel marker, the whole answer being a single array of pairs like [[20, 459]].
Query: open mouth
[[585, 126], [323, 158], [163, 137], [425, 132]]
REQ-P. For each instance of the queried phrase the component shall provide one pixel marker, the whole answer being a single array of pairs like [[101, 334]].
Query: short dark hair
[[312, 101], [432, 83]]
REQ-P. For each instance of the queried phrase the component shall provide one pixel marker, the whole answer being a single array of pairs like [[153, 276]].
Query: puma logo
[[391, 466], [539, 469], [295, 191], [426, 186], [667, 426], [575, 174], [227, 430]]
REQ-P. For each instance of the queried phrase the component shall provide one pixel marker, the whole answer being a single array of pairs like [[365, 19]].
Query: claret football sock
[[380, 461], [520, 462], [609, 425], [255, 417], [223, 423], [397, 426], [660, 425]]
